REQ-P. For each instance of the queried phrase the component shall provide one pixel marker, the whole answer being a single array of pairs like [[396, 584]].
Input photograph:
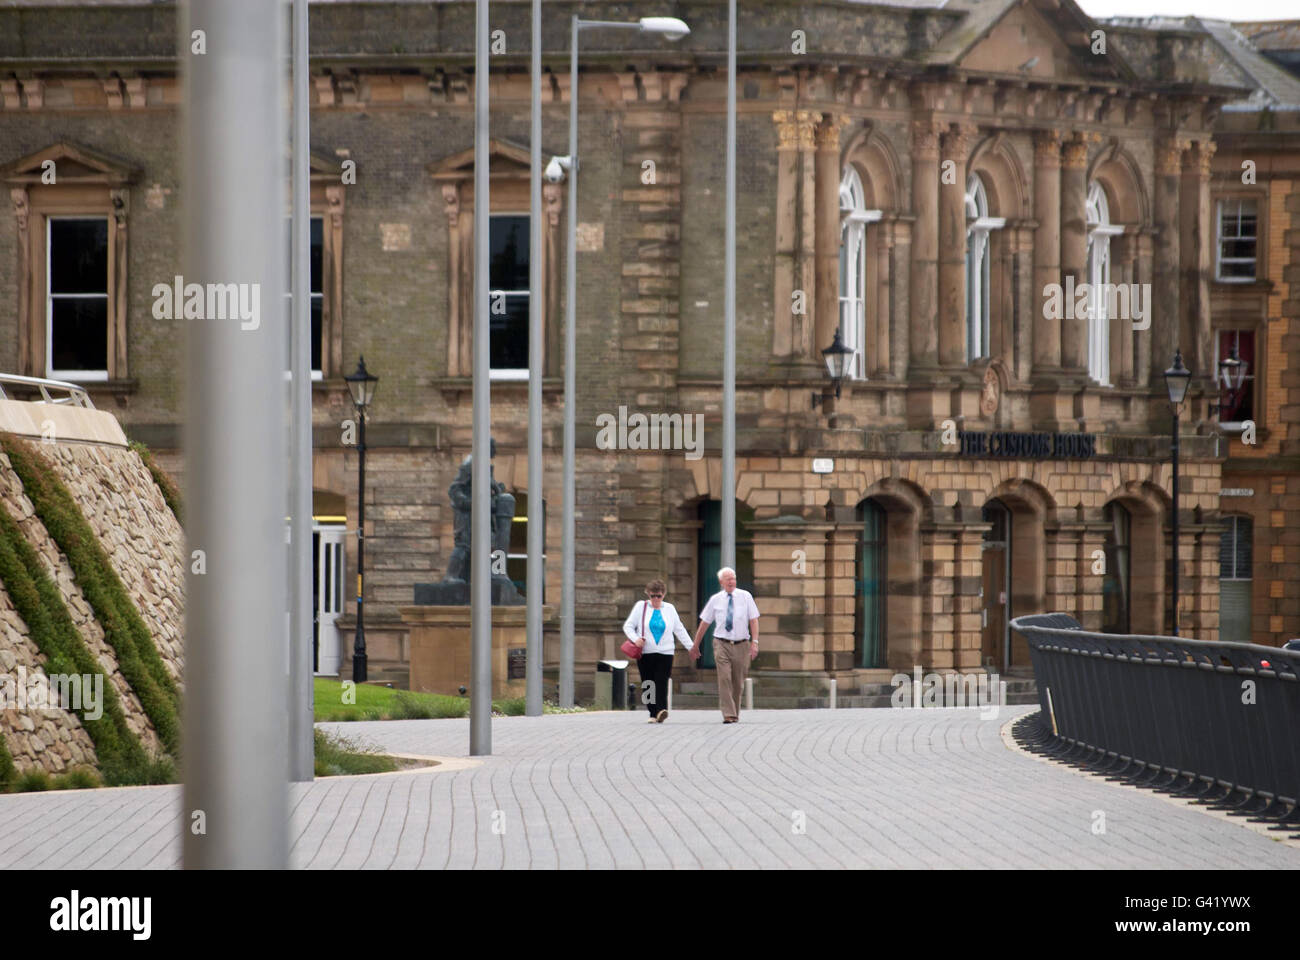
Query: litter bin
[[611, 684]]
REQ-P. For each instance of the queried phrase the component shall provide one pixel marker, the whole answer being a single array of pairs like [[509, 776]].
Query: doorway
[[995, 587], [327, 590], [709, 553]]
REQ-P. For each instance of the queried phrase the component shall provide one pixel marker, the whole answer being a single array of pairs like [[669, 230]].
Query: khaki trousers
[[732, 660]]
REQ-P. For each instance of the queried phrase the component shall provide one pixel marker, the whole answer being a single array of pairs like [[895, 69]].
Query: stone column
[[1142, 362], [1047, 246], [925, 242], [792, 333], [885, 236], [952, 245], [1195, 238], [1074, 250], [1018, 326], [1165, 332], [827, 239], [967, 604], [22, 218], [1123, 260]]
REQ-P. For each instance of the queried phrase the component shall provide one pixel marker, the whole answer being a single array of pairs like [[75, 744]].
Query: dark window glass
[[509, 253], [1235, 579], [1238, 405], [79, 333], [316, 282], [1237, 239], [870, 587], [79, 256], [1115, 588], [709, 553]]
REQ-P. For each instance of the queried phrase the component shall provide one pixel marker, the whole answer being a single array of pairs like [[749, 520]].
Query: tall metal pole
[[728, 492], [480, 663], [301, 744], [536, 521], [1175, 524], [359, 660], [232, 134], [570, 361]]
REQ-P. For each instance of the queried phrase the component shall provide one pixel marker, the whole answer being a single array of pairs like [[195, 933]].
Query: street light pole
[[673, 29], [536, 522], [361, 385], [728, 492], [570, 361], [480, 661], [1177, 377]]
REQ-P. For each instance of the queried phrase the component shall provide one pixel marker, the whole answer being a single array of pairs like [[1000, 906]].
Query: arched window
[[1100, 230], [1235, 579], [979, 223], [854, 218], [871, 574], [1116, 588]]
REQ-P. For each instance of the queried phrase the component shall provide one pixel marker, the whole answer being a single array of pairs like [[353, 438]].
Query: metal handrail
[[1211, 719], [77, 396]]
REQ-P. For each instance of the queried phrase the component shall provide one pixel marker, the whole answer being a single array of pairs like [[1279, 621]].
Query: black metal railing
[[1218, 722]]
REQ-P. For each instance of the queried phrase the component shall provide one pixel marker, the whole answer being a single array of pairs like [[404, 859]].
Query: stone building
[[933, 182]]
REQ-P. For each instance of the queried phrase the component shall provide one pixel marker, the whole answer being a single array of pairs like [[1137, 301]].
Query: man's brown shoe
[[661, 716]]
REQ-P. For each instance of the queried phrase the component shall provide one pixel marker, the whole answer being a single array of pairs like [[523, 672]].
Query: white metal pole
[[480, 708], [728, 492], [570, 361], [833, 691], [536, 521], [233, 133], [301, 745]]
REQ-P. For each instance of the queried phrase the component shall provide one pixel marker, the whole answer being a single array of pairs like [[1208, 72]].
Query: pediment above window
[[73, 164], [505, 159]]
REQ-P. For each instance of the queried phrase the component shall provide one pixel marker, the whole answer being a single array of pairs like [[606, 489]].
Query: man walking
[[734, 616]]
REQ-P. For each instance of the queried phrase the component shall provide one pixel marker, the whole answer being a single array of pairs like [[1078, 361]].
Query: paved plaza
[[928, 788]]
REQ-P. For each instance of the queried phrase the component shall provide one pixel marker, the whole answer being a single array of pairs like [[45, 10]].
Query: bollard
[[670, 694], [833, 693], [749, 693]]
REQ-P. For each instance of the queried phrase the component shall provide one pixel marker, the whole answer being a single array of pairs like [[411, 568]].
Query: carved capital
[[925, 137], [1074, 155], [334, 198], [451, 203], [120, 200], [1047, 147], [1199, 160], [828, 132], [18, 197], [805, 122], [787, 139], [958, 140], [552, 202], [1169, 155]]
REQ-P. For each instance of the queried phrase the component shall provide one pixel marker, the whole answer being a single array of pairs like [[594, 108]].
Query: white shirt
[[743, 610], [672, 627]]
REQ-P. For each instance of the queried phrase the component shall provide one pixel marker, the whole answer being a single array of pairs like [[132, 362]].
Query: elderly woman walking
[[651, 625]]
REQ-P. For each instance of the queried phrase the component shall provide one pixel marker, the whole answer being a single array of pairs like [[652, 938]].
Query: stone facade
[[913, 101]]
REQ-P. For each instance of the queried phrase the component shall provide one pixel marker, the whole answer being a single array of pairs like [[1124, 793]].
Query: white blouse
[[672, 627]]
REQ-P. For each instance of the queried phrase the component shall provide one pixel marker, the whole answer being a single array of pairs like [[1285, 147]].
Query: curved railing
[[1219, 721], [76, 396]]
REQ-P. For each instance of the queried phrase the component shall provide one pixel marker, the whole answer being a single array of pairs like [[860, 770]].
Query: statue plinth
[[455, 593], [440, 647]]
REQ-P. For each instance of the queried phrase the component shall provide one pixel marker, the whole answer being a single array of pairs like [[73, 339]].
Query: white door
[[329, 598]]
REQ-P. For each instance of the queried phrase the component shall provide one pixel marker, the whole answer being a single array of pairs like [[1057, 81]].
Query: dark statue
[[454, 588]]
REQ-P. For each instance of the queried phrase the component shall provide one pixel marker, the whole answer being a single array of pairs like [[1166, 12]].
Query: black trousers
[[655, 669]]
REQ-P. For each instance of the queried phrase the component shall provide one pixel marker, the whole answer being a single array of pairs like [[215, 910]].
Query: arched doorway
[[709, 555], [995, 587], [870, 592]]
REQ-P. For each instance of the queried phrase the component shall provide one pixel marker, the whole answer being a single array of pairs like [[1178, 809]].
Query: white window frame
[[1219, 239], [854, 218], [86, 376], [511, 373], [1100, 230], [978, 268]]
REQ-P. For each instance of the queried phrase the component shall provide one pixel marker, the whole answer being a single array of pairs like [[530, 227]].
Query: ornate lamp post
[[361, 384], [837, 357], [1177, 378]]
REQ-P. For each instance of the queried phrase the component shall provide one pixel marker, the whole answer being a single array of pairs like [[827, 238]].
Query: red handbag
[[630, 649]]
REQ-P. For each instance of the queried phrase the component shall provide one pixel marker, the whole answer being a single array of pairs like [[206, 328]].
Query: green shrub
[[32, 781], [165, 486], [39, 603], [8, 773], [124, 629], [78, 778], [336, 756]]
